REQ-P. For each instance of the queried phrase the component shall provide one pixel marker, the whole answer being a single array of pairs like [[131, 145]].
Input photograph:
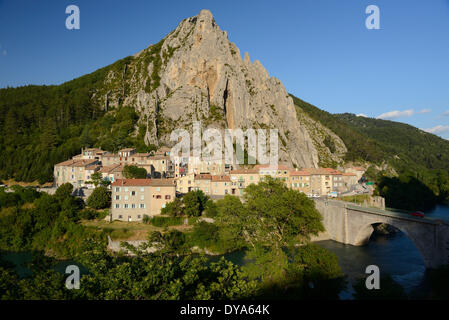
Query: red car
[[418, 214]]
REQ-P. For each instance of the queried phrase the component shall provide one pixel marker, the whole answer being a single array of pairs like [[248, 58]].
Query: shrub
[[194, 203], [204, 234], [146, 219], [99, 199], [210, 209], [166, 221], [173, 209], [64, 191], [87, 214], [134, 172]]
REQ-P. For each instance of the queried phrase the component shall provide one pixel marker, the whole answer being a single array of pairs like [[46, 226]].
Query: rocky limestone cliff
[[196, 74]]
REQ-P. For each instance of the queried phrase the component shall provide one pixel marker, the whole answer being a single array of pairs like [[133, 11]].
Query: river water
[[393, 254]]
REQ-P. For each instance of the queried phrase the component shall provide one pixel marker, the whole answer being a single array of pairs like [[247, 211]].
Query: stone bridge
[[352, 224]]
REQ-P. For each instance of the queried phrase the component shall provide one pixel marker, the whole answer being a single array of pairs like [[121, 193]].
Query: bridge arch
[[364, 234], [352, 224], [422, 235]]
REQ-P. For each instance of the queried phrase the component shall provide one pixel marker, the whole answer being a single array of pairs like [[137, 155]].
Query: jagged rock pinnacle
[[198, 74]]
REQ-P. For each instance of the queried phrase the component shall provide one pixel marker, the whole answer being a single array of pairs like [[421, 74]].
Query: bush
[[134, 172], [166, 221], [173, 209], [204, 235], [99, 199], [211, 209], [64, 191], [146, 219], [194, 203], [87, 214]]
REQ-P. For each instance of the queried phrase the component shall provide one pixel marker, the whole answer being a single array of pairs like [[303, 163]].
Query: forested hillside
[[418, 148], [421, 159], [43, 125], [360, 146]]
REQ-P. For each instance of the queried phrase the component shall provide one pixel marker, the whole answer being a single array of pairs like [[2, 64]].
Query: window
[[117, 189], [138, 216], [142, 206], [158, 189], [120, 216], [133, 193], [126, 197], [117, 197], [142, 197], [158, 197], [125, 206], [117, 206], [133, 206], [142, 189], [167, 197], [126, 189]]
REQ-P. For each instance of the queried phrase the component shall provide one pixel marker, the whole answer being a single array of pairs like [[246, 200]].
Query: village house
[[220, 185], [134, 198], [91, 153], [349, 179], [358, 171], [241, 178], [300, 180], [157, 166], [202, 182], [112, 172], [185, 183], [213, 166], [279, 172], [75, 171]]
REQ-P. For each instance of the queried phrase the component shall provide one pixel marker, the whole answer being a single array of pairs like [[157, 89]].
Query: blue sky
[[320, 49]]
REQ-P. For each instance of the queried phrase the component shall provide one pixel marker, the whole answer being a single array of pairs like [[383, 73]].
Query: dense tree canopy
[[134, 172]]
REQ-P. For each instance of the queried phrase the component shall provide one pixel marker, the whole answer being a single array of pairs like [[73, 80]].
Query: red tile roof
[[299, 173], [77, 162], [203, 176], [143, 182], [223, 178]]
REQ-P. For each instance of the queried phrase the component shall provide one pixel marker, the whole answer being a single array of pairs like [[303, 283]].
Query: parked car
[[419, 214], [333, 194], [315, 195]]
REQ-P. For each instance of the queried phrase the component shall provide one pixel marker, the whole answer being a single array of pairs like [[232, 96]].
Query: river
[[393, 254]]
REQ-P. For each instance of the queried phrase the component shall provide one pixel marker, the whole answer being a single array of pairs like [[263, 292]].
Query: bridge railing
[[394, 214]]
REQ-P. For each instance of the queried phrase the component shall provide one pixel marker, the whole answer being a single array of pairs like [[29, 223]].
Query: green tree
[[99, 199], [173, 208], [96, 179], [271, 218], [134, 172], [210, 208], [64, 191], [194, 203]]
